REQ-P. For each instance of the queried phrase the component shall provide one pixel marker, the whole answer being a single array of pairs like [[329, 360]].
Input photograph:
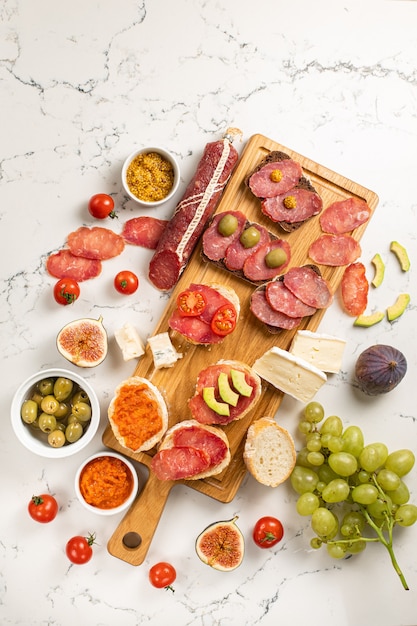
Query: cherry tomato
[[162, 575], [224, 320], [101, 206], [268, 531], [43, 508], [191, 303], [126, 282], [79, 550], [66, 291]]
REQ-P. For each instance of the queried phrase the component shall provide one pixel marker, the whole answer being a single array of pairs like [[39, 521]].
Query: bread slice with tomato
[[205, 313]]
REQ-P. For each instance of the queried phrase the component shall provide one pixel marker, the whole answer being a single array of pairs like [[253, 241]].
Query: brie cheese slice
[[323, 351]]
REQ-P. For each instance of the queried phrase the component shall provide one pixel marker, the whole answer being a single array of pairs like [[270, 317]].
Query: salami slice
[[64, 264], [179, 463], [281, 299], [144, 231], [334, 250], [345, 215], [307, 285], [215, 244], [193, 436], [261, 308], [192, 214], [195, 329], [255, 267], [95, 243], [236, 253], [354, 288], [296, 205], [274, 178]]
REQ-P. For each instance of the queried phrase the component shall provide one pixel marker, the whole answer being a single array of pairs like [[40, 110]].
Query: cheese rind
[[290, 374], [163, 352], [323, 351], [129, 342]]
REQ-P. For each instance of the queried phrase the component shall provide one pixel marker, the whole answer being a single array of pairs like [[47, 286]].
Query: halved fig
[[83, 342], [221, 545]]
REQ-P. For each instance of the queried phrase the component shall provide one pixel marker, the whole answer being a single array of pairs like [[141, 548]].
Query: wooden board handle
[[131, 540]]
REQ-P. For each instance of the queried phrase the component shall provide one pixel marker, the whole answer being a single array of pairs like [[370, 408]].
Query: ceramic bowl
[[33, 438], [106, 465], [168, 156]]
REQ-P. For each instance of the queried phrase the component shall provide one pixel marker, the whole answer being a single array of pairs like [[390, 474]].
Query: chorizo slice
[[334, 250], [64, 264], [281, 299], [344, 216], [263, 311], [354, 289], [307, 284], [144, 231], [95, 243]]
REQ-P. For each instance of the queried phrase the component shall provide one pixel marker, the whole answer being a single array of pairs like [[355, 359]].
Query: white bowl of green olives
[[55, 413]]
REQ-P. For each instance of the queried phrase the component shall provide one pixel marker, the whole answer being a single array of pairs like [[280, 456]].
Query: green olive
[[46, 386], [61, 426], [37, 397], [82, 411], [80, 396], [29, 411], [56, 439], [72, 419], [49, 404], [63, 388], [227, 225], [276, 257], [250, 237], [73, 432], [63, 410], [47, 422]]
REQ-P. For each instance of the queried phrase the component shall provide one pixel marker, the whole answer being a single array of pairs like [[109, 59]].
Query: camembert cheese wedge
[[290, 374], [321, 350]]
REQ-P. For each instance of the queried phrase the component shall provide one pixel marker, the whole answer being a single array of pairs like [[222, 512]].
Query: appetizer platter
[[248, 342]]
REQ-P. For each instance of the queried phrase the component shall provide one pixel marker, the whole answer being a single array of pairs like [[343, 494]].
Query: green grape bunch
[[354, 493]]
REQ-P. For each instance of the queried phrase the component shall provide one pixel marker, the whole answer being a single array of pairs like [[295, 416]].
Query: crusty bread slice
[[167, 442], [130, 415], [269, 452]]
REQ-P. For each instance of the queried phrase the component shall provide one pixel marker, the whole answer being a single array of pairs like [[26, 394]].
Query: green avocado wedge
[[226, 392], [369, 320], [240, 384], [379, 270], [394, 311], [401, 254], [221, 408]]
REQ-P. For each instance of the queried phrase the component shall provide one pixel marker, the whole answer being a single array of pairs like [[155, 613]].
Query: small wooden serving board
[[249, 341]]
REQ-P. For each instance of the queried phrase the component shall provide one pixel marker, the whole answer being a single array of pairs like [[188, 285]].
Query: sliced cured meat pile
[[344, 216], [191, 451], [287, 195], [354, 289], [334, 250], [64, 264], [192, 214], [144, 231], [281, 304], [211, 403], [245, 248]]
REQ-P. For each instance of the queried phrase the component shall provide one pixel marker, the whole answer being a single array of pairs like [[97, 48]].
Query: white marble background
[[82, 84]]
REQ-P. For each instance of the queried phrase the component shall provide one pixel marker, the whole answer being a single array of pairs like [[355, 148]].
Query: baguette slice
[[138, 414], [269, 452]]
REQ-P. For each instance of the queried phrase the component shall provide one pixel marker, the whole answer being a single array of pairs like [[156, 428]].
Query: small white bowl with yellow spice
[[150, 176]]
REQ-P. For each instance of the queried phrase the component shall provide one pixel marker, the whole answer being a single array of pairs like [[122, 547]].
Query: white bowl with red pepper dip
[[150, 176], [106, 483]]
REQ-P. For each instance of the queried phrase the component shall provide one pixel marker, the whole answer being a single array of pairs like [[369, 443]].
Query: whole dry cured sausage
[[334, 250], [64, 264], [192, 213], [214, 243], [145, 231], [354, 289], [307, 284], [95, 243], [274, 320], [294, 206], [344, 215]]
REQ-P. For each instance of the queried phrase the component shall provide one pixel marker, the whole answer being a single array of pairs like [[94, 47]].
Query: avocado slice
[[226, 392], [369, 320], [221, 408], [240, 384], [398, 307], [401, 254], [379, 270]]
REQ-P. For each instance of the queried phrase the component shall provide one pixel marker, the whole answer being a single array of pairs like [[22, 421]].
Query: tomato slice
[[191, 303], [224, 320]]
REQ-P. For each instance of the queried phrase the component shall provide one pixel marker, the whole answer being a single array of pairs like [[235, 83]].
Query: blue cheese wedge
[[129, 342], [163, 352], [290, 374], [321, 350]]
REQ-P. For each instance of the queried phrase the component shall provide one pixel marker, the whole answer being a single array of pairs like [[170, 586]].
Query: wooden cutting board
[[132, 538]]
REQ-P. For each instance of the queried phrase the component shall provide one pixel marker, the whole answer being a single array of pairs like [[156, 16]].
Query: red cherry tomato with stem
[[66, 291], [191, 303], [126, 282], [162, 575], [79, 550], [224, 320], [268, 531], [43, 508], [101, 206]]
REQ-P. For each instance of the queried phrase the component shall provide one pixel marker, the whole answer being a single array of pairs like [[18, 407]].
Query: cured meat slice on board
[[344, 216], [283, 300], [256, 268], [192, 214], [274, 320], [214, 243], [64, 264], [236, 253], [179, 462], [307, 284], [354, 289], [292, 207], [334, 250], [145, 231], [95, 243], [200, 439], [274, 177]]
